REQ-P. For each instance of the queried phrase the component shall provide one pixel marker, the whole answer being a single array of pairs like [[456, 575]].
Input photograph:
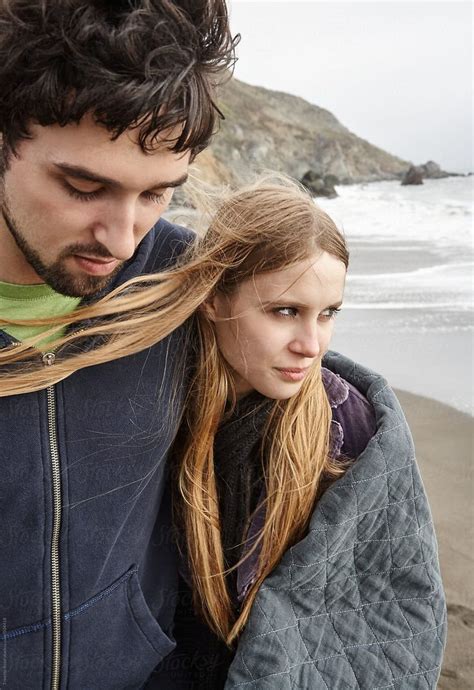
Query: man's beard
[[56, 275]]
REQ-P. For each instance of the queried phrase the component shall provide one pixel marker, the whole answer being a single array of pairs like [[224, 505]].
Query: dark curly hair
[[144, 64]]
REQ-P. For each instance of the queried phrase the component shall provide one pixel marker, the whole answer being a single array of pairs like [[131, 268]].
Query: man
[[102, 107]]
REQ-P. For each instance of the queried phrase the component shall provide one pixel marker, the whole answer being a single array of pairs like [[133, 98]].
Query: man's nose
[[307, 342], [116, 230]]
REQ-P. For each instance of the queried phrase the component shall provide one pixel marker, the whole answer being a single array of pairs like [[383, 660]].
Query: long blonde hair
[[264, 227], [272, 227]]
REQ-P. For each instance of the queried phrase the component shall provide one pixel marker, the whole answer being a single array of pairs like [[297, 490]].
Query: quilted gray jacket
[[358, 603]]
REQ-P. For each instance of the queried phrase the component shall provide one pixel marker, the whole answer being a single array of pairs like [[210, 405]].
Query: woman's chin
[[279, 392]]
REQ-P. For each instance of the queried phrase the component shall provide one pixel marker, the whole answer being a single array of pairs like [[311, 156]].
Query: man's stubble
[[56, 274]]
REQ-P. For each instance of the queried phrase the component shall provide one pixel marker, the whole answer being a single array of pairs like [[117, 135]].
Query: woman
[[307, 539], [270, 448]]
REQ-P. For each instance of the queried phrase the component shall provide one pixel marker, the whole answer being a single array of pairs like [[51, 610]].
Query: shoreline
[[426, 352], [180, 207], [444, 442]]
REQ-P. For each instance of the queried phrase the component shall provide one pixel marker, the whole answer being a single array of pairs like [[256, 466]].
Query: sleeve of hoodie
[[168, 242]]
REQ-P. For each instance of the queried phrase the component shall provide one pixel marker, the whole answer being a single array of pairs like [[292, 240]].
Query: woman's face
[[275, 326]]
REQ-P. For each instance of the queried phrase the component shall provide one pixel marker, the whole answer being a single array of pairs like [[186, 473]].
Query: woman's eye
[[329, 313], [286, 311]]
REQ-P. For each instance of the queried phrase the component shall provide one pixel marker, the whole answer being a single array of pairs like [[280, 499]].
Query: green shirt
[[33, 302]]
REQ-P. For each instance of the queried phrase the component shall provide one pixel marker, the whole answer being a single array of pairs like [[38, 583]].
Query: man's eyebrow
[[81, 173]]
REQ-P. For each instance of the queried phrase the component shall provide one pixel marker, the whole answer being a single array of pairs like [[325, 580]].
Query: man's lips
[[293, 373], [96, 266]]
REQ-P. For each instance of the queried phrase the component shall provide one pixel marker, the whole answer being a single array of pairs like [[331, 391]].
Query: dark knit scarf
[[201, 661], [239, 473]]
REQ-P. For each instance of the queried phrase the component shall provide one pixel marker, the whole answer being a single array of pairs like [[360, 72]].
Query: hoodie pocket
[[115, 641]]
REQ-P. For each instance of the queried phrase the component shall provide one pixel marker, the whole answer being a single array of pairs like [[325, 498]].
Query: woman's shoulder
[[353, 417]]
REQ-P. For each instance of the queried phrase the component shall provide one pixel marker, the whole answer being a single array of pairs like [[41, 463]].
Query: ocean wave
[[457, 272], [439, 212], [428, 306]]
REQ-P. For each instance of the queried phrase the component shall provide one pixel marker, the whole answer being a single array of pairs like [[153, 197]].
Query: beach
[[407, 314], [444, 444], [408, 302]]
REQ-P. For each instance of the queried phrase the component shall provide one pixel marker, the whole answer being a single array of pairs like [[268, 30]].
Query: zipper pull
[[49, 358]]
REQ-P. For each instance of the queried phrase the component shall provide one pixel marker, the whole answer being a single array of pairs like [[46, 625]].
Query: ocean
[[408, 309]]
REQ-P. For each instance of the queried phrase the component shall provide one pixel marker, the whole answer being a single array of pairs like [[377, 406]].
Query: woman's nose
[[307, 343]]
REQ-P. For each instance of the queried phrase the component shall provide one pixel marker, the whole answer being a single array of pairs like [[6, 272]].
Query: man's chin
[[65, 275], [83, 285]]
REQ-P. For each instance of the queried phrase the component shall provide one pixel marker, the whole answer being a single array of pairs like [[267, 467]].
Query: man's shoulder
[[159, 250], [168, 242]]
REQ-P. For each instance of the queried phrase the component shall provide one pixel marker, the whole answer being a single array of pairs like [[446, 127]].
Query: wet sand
[[444, 445]]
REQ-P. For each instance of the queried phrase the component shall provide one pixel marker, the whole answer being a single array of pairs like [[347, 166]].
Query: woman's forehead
[[320, 275]]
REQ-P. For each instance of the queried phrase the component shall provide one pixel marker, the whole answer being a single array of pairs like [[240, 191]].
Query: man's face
[[75, 205]]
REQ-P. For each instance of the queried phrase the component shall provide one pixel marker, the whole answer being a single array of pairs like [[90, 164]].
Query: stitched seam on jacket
[[103, 595], [137, 622], [356, 517], [390, 542], [23, 631], [367, 622], [423, 556], [355, 577], [275, 635], [310, 659], [241, 656], [367, 541], [379, 434], [376, 395], [372, 603], [351, 667], [325, 580], [335, 613], [35, 627], [247, 668], [420, 542], [335, 656], [409, 675], [382, 474]]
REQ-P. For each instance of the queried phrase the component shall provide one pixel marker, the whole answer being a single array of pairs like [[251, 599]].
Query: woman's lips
[[96, 267], [293, 374]]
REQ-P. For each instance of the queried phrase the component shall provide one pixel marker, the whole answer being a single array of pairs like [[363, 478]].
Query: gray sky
[[397, 73]]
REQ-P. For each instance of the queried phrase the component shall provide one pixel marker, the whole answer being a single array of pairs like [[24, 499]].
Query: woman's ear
[[210, 307]]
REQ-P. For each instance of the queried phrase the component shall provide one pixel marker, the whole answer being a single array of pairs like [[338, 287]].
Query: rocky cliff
[[272, 130]]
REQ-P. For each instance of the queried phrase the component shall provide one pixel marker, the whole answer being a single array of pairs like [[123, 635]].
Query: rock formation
[[320, 186], [417, 173], [414, 175], [271, 130], [432, 170]]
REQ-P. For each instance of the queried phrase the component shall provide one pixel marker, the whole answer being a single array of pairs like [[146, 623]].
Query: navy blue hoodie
[[87, 566]]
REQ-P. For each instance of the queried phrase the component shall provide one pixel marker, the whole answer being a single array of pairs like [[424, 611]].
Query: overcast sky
[[397, 73]]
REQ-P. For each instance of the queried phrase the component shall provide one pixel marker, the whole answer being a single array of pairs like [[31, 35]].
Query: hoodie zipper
[[48, 360]]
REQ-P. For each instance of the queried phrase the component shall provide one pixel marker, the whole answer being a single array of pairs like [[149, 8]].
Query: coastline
[[421, 351], [444, 442]]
